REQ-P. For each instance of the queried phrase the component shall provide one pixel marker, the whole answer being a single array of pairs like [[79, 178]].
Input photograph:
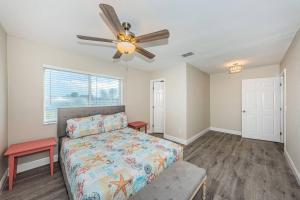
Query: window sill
[[49, 123]]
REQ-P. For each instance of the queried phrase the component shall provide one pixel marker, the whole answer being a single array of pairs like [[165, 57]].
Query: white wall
[[226, 95], [187, 101], [175, 94], [198, 101], [291, 62], [3, 101], [25, 87]]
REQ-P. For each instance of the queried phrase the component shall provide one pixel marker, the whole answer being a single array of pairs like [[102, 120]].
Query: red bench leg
[[16, 166], [51, 155], [11, 160]]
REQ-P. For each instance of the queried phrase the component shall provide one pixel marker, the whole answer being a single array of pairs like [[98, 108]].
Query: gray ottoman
[[181, 181]]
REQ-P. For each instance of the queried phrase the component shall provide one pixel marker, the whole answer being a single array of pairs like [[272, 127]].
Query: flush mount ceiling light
[[235, 68]]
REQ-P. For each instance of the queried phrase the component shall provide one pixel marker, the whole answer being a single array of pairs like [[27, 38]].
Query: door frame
[[151, 103], [283, 106]]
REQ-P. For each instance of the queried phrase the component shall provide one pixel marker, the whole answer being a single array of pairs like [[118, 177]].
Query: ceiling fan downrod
[[126, 26]]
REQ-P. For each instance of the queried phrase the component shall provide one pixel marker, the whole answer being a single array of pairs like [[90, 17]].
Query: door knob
[[244, 111]]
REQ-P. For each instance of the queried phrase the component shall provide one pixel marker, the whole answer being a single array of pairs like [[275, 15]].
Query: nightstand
[[138, 125]]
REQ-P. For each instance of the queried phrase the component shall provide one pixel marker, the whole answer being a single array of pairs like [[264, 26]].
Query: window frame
[[50, 67]]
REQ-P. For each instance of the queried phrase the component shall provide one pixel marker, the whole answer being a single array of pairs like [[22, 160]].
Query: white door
[[158, 106], [261, 109], [282, 103]]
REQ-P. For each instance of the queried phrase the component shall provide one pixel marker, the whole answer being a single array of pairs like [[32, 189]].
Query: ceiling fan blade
[[82, 37], [144, 52], [112, 18], [117, 55], [163, 34]]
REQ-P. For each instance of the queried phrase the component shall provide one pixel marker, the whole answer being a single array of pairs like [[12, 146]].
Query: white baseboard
[[293, 166], [234, 132], [188, 141], [175, 139], [195, 137], [34, 164], [3, 180], [149, 132]]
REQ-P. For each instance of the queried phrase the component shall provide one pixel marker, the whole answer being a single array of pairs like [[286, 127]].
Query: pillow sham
[[114, 122], [79, 127]]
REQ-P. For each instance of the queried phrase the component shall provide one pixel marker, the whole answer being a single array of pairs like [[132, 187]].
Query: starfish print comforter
[[115, 165]]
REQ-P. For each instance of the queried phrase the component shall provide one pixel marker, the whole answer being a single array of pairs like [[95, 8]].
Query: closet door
[[261, 109]]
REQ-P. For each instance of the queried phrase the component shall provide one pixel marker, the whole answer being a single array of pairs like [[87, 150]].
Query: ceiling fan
[[126, 41]]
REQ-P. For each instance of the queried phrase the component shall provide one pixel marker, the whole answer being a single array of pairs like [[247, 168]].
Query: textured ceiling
[[253, 32]]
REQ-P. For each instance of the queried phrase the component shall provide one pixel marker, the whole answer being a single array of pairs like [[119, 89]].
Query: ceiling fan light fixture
[[126, 42], [235, 68], [126, 47]]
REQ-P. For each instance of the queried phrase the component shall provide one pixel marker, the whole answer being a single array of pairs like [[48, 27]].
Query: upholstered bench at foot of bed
[[181, 181]]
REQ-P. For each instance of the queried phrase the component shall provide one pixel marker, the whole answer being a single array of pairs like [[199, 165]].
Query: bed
[[111, 165]]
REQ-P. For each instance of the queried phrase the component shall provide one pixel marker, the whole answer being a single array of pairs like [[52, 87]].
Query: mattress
[[115, 165]]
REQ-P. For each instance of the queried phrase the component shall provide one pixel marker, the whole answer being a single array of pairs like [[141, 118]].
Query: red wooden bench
[[22, 149]]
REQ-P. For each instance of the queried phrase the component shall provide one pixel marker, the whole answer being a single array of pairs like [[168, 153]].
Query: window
[[63, 89]]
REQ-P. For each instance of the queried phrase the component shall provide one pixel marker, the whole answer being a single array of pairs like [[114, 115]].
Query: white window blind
[[63, 89]]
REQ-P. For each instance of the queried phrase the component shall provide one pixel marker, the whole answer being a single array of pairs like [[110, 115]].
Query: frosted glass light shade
[[236, 68], [126, 47]]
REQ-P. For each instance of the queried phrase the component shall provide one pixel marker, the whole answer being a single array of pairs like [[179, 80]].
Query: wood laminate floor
[[237, 169]]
